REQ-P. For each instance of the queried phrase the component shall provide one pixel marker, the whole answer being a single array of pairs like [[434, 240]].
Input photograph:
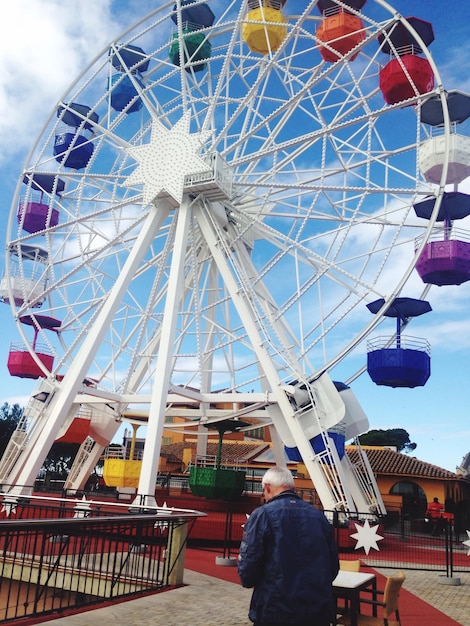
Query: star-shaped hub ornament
[[167, 159], [367, 537]]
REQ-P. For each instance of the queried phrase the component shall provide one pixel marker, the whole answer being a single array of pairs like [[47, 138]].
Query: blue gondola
[[72, 145], [407, 363]]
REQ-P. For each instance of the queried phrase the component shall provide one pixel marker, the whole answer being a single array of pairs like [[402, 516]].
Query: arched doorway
[[413, 498]]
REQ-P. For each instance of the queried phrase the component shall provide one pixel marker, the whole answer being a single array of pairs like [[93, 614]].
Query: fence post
[[176, 551], [449, 579], [449, 565], [226, 559], [336, 526], [402, 525]]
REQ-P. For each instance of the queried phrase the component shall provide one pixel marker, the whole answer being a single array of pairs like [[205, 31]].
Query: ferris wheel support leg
[[207, 366], [363, 484], [27, 430], [328, 487], [278, 447], [65, 394], [282, 410], [360, 498], [86, 459], [151, 456]]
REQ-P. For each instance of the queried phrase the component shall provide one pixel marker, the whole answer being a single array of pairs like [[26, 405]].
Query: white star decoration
[[9, 507], [167, 159], [164, 510], [467, 543], [367, 536], [83, 508]]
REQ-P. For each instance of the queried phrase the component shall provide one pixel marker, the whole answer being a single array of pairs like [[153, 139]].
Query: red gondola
[[21, 362], [76, 432], [407, 74]]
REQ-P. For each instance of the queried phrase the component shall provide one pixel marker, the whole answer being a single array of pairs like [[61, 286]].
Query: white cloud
[[451, 336], [44, 45], [22, 400], [455, 74]]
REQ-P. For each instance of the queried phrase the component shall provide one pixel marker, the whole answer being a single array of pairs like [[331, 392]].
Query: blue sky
[[45, 44]]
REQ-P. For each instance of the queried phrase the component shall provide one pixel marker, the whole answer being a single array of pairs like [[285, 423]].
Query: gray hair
[[278, 477]]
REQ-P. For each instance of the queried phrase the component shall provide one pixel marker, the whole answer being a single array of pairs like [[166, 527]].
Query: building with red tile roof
[[405, 482]]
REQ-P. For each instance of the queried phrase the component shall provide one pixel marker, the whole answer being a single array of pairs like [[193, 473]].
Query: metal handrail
[[406, 343], [52, 565], [446, 234]]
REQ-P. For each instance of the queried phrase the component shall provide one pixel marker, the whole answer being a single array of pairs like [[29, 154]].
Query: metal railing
[[210, 460], [406, 342], [443, 233], [407, 543], [52, 566]]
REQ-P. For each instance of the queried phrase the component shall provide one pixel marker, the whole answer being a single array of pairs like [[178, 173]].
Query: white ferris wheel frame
[[247, 210]]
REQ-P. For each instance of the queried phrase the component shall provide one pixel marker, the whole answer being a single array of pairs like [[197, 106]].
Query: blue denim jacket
[[288, 554]]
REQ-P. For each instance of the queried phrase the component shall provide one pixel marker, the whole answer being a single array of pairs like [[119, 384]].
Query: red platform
[[77, 432]]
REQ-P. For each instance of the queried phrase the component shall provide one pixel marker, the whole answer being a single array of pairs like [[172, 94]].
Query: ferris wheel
[[205, 216]]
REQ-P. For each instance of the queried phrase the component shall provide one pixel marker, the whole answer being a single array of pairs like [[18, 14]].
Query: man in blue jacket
[[288, 554]]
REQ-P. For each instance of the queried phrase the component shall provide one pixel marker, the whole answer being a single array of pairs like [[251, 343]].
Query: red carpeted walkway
[[413, 610]]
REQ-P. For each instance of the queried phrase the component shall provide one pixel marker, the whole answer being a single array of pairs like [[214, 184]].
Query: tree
[[9, 418], [61, 455], [59, 459], [397, 437]]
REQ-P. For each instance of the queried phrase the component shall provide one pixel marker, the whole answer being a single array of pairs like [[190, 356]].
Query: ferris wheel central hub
[[215, 183], [169, 165]]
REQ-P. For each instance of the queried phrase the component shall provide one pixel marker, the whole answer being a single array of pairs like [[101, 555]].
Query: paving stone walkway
[[204, 601], [210, 601]]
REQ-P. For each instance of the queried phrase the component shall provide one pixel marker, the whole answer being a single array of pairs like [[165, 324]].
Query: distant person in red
[[434, 513]]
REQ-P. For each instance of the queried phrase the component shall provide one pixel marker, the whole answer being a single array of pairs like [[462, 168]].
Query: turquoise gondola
[[196, 47], [129, 64]]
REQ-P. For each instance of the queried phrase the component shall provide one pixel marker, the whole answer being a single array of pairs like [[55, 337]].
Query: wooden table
[[348, 585]]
